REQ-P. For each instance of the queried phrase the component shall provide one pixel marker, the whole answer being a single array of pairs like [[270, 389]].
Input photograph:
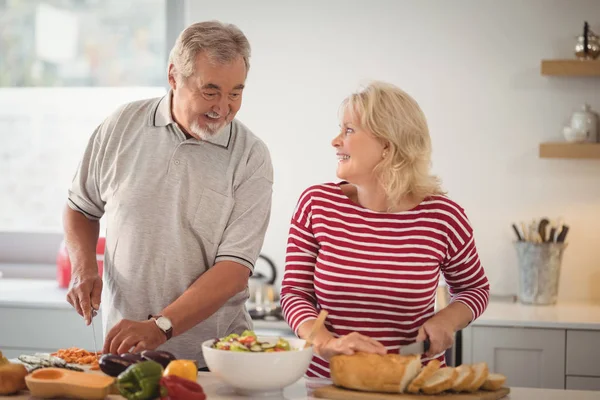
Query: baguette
[[494, 382], [425, 374], [389, 373], [481, 373], [440, 381], [465, 376]]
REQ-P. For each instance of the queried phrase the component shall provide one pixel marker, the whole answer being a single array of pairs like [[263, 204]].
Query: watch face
[[163, 323]]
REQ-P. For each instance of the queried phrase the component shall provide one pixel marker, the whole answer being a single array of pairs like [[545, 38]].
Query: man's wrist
[[163, 324]]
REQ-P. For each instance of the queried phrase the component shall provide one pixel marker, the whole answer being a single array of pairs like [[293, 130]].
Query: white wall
[[474, 68]]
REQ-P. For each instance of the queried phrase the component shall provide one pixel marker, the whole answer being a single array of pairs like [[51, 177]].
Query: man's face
[[210, 98]]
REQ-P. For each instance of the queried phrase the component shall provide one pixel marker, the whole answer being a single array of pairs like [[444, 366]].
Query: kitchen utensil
[[416, 348], [525, 233], [563, 234], [544, 222], [588, 44], [94, 313], [260, 374], [519, 237], [259, 283], [315, 329], [338, 393]]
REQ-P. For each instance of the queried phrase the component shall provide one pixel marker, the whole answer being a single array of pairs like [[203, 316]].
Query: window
[[64, 66]]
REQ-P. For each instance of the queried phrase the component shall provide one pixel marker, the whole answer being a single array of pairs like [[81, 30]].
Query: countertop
[[30, 293], [45, 294], [559, 316], [216, 389]]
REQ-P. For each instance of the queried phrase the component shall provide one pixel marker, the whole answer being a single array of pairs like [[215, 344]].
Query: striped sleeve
[[462, 267], [298, 301]]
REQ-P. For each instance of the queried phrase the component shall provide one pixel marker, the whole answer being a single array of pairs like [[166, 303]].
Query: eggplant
[[159, 356], [113, 365], [133, 357]]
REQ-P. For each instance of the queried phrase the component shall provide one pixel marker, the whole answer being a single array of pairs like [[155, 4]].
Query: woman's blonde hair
[[396, 119], [222, 42]]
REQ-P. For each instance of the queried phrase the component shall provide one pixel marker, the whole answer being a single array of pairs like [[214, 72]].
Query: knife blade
[[94, 312], [415, 348]]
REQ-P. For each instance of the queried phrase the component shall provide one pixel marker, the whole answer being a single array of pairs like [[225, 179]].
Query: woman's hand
[[349, 344], [440, 332]]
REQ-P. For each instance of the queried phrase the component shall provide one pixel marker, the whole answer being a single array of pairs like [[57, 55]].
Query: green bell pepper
[[140, 381]]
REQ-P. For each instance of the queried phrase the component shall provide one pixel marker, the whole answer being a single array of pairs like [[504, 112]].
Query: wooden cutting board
[[337, 393]]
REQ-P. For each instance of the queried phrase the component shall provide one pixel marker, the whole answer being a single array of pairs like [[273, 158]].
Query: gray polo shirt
[[174, 207]]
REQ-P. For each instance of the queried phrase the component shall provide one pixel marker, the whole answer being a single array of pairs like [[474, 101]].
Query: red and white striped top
[[376, 273]]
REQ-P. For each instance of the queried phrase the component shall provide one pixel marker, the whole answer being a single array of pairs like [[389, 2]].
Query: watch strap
[[168, 333]]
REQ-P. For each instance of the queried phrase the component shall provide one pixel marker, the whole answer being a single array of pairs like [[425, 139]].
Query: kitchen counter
[[32, 293], [216, 389], [560, 316]]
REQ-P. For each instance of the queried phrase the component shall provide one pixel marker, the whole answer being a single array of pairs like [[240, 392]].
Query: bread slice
[[440, 381], [389, 373], [493, 382], [465, 376], [426, 373], [481, 373]]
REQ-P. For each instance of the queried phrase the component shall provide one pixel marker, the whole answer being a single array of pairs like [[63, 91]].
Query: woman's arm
[[468, 286], [298, 300]]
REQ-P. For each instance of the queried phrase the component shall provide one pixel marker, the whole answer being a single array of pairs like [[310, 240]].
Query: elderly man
[[186, 191]]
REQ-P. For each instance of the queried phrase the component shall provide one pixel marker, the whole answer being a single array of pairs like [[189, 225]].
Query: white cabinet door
[[528, 357], [583, 383], [30, 330]]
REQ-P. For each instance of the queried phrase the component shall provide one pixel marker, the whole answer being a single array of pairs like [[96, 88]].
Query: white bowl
[[254, 373]]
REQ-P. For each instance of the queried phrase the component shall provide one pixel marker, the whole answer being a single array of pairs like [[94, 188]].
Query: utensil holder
[[539, 271]]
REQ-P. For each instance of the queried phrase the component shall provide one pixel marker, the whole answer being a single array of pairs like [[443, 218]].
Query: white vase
[[585, 121]]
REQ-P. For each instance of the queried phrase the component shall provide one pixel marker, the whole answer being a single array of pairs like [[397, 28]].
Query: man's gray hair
[[222, 43]]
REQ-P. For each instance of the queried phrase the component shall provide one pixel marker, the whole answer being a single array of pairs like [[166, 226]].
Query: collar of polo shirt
[[161, 116]]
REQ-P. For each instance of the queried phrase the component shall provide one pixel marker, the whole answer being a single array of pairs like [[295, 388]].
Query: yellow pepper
[[183, 368]]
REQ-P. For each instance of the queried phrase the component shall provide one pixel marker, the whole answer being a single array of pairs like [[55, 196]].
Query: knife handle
[[426, 345]]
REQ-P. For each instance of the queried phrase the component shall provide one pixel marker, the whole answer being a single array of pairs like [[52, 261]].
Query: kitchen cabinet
[[551, 347], [35, 317], [527, 357]]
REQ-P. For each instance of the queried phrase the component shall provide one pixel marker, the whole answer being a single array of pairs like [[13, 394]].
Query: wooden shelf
[[571, 67], [569, 150]]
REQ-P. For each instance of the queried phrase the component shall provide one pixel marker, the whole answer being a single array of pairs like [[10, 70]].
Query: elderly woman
[[370, 249]]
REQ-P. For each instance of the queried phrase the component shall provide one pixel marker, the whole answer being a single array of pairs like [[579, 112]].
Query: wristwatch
[[164, 324]]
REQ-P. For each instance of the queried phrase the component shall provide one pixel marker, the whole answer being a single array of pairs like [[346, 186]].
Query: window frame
[[32, 254]]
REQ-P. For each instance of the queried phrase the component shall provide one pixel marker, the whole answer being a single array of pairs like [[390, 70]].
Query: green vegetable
[[283, 344], [248, 333], [140, 381], [230, 337], [238, 347]]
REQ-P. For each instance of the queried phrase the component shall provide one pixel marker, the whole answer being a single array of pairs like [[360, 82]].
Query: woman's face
[[358, 151]]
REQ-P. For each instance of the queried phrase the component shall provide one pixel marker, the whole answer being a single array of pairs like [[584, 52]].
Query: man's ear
[[171, 76]]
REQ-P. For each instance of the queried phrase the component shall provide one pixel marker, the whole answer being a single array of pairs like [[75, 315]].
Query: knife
[[94, 312], [416, 348]]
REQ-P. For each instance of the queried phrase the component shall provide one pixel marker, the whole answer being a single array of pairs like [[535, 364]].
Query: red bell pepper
[[173, 387]]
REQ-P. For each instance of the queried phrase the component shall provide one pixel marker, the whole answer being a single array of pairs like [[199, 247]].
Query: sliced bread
[[465, 376], [373, 372], [426, 373], [481, 373], [440, 381], [493, 382]]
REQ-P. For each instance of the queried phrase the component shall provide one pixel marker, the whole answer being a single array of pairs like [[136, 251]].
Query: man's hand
[[129, 334], [85, 293], [440, 332], [349, 344]]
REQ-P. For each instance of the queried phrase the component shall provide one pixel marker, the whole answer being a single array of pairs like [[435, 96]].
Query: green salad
[[248, 341]]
